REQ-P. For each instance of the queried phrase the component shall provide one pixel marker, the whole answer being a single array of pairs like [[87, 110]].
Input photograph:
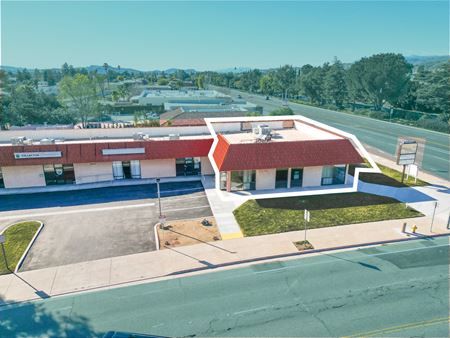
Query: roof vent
[[47, 141]]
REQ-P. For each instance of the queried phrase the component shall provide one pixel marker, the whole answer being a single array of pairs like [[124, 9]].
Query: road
[[379, 134], [392, 290]]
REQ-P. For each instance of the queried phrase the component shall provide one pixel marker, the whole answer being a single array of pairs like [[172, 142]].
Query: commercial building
[[159, 97], [245, 154]]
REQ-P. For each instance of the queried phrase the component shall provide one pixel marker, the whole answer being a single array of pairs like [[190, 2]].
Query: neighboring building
[[43, 87], [159, 97], [194, 115], [255, 153]]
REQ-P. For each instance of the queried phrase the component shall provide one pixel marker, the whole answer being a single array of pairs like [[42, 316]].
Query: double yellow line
[[398, 328]]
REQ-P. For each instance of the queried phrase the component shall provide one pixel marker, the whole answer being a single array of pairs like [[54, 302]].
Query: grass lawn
[[17, 238], [275, 215], [389, 177]]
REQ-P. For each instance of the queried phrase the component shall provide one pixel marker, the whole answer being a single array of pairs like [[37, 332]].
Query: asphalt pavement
[[393, 290], [378, 134], [93, 224]]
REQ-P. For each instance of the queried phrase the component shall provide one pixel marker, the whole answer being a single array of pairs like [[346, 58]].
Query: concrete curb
[[25, 253], [302, 253], [30, 244]]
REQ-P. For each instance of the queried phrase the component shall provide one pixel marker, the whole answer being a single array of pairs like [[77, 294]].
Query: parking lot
[[100, 223]]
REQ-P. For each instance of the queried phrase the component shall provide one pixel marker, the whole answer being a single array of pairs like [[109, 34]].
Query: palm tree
[[106, 67]]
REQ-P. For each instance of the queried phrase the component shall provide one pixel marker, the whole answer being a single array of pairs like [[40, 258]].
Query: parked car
[[239, 96], [267, 98]]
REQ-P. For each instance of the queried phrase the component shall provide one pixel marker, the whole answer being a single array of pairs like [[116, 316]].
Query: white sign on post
[[307, 215]]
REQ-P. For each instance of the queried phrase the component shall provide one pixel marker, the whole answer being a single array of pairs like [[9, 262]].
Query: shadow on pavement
[[93, 196]]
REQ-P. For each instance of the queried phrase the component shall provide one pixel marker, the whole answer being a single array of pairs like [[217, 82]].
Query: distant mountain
[[101, 69], [11, 69], [429, 62]]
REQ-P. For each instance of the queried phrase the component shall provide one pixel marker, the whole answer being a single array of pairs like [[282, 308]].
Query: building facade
[[244, 154]]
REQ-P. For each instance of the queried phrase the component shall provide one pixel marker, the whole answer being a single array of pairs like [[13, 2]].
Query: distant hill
[[429, 62], [235, 70], [101, 69]]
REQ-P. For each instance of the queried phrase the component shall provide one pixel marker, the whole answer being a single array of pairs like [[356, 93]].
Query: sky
[[212, 35]]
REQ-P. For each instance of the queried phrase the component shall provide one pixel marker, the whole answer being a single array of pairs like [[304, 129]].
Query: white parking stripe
[[78, 211], [180, 209]]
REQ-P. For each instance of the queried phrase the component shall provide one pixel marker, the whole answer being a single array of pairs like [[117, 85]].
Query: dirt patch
[[303, 245], [188, 232]]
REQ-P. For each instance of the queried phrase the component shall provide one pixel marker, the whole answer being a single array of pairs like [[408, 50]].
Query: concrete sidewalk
[[138, 268]]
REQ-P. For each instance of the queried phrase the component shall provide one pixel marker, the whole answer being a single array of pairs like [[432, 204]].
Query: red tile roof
[[92, 152], [290, 154]]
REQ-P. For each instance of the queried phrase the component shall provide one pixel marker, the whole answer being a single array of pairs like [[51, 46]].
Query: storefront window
[[333, 175], [59, 174], [2, 183], [243, 180], [188, 166]]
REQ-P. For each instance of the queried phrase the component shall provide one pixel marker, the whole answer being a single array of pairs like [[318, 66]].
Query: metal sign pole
[[432, 219], [4, 256]]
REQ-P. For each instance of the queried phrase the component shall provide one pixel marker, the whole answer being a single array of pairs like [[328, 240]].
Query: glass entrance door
[[296, 177], [59, 174], [126, 169], [281, 178]]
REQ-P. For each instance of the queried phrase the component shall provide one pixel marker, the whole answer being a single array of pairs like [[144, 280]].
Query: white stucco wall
[[207, 168], [158, 168], [265, 179], [23, 176], [312, 176], [93, 172]]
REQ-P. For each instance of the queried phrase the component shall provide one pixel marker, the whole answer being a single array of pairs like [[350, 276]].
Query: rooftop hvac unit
[[174, 136], [262, 129], [47, 141], [138, 136], [28, 141], [18, 140]]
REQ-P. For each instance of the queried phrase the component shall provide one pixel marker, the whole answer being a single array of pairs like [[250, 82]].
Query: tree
[[268, 84], [100, 80], [286, 78], [27, 106], [312, 85], [381, 78], [201, 81], [282, 111], [79, 94], [335, 86], [433, 88]]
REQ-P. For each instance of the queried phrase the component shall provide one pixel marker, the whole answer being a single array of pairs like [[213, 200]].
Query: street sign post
[[406, 154], [306, 217], [434, 212], [2, 241]]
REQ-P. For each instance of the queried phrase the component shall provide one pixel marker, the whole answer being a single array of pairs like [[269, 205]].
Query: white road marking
[[180, 209], [251, 310], [78, 211]]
